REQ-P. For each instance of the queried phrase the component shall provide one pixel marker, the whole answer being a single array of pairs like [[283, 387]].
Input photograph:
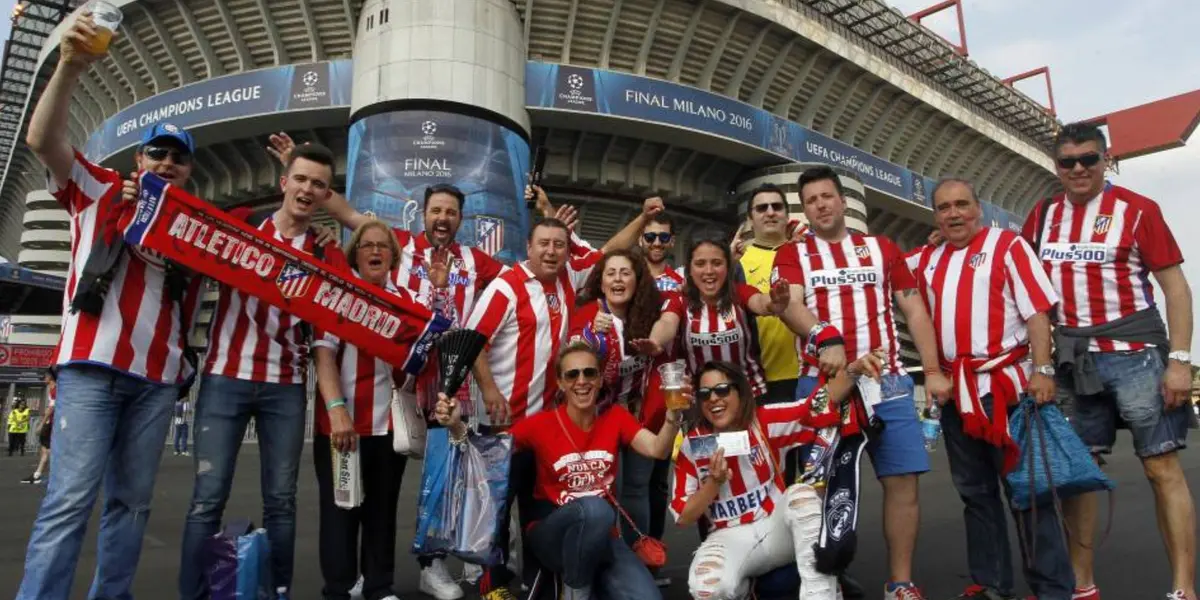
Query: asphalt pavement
[[1131, 565]]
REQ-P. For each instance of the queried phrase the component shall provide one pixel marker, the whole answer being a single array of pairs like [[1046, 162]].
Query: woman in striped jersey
[[753, 523], [354, 414]]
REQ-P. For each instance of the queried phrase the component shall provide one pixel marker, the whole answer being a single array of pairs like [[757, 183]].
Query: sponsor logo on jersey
[[854, 276], [1085, 253], [721, 338], [735, 507]]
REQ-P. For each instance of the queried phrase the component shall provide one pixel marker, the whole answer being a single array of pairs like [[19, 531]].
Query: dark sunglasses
[[721, 390], [180, 157], [1088, 161], [587, 372], [762, 208], [662, 236]]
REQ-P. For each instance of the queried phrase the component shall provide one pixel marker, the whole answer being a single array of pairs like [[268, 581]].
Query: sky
[[1104, 55]]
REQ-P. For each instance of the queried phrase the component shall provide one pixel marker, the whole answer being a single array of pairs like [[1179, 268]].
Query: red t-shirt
[[581, 466]]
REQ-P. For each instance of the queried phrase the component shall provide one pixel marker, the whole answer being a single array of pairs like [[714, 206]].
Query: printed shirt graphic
[[1100, 256], [850, 284], [980, 296], [470, 272], [138, 330], [579, 467], [775, 340], [708, 334], [366, 383], [754, 488], [254, 341], [670, 280], [526, 321]]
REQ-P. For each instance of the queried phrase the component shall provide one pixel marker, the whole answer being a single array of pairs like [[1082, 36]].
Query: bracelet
[[332, 404], [458, 440]]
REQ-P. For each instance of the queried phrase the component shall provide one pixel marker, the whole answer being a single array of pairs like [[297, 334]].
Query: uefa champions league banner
[[265, 91], [394, 156]]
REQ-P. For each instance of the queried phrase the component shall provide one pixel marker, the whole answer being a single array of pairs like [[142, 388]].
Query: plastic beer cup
[[106, 18], [673, 374]]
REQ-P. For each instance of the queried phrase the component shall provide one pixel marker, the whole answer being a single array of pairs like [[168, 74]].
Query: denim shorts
[[900, 448], [1132, 395]]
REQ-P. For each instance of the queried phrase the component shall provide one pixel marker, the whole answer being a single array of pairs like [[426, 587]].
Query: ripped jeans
[[728, 558]]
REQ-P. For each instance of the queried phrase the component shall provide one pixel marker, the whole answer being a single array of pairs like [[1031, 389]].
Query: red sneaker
[[1088, 593]]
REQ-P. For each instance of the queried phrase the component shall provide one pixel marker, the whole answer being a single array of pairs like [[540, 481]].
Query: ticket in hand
[[702, 446], [735, 443]]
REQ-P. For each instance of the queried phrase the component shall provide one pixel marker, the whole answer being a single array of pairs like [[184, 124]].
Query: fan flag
[[201, 237]]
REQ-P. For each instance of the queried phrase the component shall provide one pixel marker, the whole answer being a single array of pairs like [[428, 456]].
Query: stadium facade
[[693, 100]]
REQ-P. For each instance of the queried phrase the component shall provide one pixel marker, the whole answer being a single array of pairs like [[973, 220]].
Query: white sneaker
[[570, 593], [356, 591], [472, 573], [436, 582], [390, 597]]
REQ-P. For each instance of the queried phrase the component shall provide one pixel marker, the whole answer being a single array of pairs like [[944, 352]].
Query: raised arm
[[47, 136], [658, 445], [628, 236], [336, 204], [698, 503]]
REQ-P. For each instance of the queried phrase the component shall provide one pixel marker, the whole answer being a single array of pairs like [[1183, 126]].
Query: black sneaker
[[32, 479]]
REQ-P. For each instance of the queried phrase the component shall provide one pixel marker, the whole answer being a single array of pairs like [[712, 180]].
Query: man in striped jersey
[[849, 280], [989, 299], [525, 313], [1100, 244], [255, 367], [121, 361], [658, 238]]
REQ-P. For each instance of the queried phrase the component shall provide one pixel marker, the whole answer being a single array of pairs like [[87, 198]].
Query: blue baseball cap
[[163, 130]]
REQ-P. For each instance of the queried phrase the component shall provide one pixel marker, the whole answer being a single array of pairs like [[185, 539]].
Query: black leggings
[[16, 442]]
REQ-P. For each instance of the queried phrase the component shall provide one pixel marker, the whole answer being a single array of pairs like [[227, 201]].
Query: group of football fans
[[774, 333]]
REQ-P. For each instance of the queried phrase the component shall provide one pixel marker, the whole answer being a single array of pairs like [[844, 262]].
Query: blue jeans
[[181, 432], [223, 409], [1132, 394], [576, 542], [634, 492], [975, 471], [112, 428]]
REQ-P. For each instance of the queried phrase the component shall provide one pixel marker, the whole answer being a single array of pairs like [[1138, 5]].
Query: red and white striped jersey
[[631, 368], [140, 330], [670, 280], [754, 488], [366, 384], [850, 285], [980, 297], [470, 271], [526, 321], [1100, 256], [254, 341], [708, 334]]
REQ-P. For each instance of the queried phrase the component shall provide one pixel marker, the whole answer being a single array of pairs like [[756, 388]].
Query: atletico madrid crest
[[489, 235], [1102, 224], [862, 252], [293, 280], [977, 260], [553, 303]]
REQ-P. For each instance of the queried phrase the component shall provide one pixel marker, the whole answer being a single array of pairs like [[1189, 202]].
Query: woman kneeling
[[574, 531], [753, 524]]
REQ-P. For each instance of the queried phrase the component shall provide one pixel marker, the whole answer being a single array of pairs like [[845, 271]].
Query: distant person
[[18, 427], [182, 412], [1117, 361], [45, 430]]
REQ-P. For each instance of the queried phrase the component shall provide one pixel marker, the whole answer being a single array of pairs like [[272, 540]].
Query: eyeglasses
[[764, 207], [587, 372], [369, 246], [180, 157], [1088, 161], [663, 237], [722, 390]]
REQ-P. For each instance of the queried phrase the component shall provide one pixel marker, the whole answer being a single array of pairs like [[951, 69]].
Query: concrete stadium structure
[[693, 100]]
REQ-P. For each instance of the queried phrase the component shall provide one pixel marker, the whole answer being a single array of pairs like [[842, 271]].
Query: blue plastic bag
[[463, 489], [238, 563], [1050, 451]]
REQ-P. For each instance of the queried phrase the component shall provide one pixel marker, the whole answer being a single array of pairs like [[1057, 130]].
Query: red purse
[[652, 552]]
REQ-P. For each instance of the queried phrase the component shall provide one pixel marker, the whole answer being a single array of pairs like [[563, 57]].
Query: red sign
[[21, 355]]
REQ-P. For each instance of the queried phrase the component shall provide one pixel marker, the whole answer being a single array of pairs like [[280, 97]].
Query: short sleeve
[[579, 246], [580, 267], [1031, 287], [687, 481], [898, 271], [87, 183], [675, 303], [581, 318], [486, 269], [744, 293], [627, 426], [1154, 240], [493, 309], [324, 339], [523, 434], [787, 265], [1029, 229]]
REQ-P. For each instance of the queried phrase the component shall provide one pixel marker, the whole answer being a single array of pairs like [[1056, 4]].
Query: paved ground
[[1132, 565]]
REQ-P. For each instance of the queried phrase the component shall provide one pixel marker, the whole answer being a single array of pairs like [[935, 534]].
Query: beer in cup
[[673, 375], [107, 18]]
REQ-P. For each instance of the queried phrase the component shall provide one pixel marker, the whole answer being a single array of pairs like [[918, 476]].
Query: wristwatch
[[1182, 356], [1047, 370]]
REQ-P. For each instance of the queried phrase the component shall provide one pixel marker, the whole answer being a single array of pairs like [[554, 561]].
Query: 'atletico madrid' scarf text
[[199, 236]]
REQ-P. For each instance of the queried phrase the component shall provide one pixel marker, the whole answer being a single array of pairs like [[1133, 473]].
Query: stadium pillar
[[439, 97]]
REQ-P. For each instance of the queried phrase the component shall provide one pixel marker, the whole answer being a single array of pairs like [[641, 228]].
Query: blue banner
[[392, 157], [266, 91]]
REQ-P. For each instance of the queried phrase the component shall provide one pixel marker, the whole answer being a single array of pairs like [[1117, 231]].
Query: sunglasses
[[1088, 161], [663, 237], [587, 372], [180, 157], [722, 390], [762, 208]]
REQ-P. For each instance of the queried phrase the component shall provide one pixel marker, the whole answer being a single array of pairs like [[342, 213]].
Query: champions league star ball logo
[[575, 82], [311, 79], [428, 141], [429, 128]]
